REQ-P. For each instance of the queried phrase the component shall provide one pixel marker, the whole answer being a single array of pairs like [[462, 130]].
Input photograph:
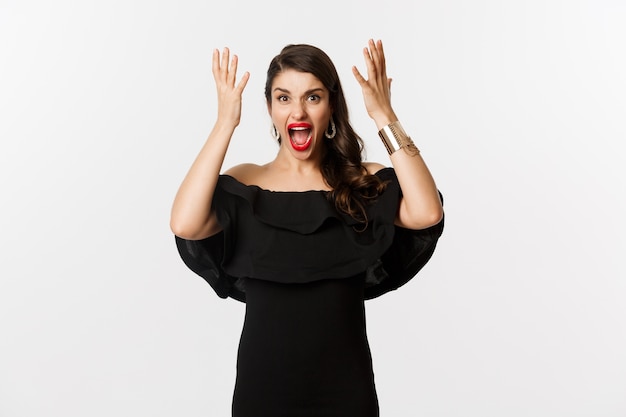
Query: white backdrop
[[519, 109]]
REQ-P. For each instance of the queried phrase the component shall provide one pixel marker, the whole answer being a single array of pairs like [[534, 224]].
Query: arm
[[420, 206], [191, 216]]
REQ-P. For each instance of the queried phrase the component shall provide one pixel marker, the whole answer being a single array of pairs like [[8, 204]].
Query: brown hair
[[352, 187]]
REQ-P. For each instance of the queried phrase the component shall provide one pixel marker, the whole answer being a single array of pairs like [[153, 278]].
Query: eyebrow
[[313, 90]]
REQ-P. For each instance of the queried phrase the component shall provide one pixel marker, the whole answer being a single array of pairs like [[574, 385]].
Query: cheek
[[324, 117], [277, 113]]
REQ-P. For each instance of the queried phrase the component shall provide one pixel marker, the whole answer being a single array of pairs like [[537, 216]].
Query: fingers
[[232, 73], [242, 83], [376, 88], [224, 63], [225, 68], [359, 78], [378, 55], [215, 67], [374, 56], [369, 63]]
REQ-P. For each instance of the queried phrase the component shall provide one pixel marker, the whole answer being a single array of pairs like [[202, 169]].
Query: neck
[[287, 162], [294, 174]]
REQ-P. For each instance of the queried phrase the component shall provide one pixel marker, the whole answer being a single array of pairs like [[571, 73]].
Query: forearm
[[420, 206], [191, 216]]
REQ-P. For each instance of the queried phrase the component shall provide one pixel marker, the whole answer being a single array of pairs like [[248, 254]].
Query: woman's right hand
[[228, 93]]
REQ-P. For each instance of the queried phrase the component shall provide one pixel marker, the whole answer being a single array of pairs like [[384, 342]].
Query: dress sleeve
[[205, 257], [408, 252], [407, 255]]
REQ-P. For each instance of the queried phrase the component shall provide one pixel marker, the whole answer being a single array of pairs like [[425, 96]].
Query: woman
[[304, 239]]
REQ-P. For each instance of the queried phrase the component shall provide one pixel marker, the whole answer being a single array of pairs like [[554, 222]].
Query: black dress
[[304, 270]]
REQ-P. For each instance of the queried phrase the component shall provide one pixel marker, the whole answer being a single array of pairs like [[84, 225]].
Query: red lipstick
[[300, 135]]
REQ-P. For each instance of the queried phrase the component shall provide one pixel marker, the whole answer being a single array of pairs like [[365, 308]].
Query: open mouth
[[300, 135]]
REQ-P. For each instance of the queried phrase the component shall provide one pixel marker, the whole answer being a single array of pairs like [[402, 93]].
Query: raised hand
[[228, 92], [377, 87]]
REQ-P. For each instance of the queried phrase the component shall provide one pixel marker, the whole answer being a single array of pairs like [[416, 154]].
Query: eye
[[313, 98], [282, 98]]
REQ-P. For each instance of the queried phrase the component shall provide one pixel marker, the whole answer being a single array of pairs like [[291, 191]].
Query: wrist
[[384, 118], [394, 137], [225, 125]]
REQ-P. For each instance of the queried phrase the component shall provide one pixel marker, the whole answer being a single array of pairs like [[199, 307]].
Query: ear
[[269, 107]]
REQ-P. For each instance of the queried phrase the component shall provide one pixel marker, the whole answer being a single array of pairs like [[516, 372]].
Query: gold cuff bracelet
[[394, 137]]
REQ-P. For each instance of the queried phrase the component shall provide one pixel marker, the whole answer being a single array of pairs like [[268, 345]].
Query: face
[[300, 110]]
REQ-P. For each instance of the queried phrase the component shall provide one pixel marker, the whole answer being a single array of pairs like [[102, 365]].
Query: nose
[[299, 110]]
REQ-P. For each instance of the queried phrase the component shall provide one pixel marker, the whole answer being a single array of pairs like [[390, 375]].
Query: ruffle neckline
[[304, 214]]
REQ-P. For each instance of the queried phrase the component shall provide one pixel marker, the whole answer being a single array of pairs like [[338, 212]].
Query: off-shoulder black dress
[[304, 270]]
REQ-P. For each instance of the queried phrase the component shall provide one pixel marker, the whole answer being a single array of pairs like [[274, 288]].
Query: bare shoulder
[[373, 167], [245, 173]]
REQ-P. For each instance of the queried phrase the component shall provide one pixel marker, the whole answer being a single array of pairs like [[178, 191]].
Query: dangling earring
[[275, 133], [333, 131]]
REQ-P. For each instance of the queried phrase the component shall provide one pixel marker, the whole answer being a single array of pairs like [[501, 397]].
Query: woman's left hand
[[377, 88]]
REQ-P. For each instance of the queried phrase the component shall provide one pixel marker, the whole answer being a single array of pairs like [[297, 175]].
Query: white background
[[518, 106]]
